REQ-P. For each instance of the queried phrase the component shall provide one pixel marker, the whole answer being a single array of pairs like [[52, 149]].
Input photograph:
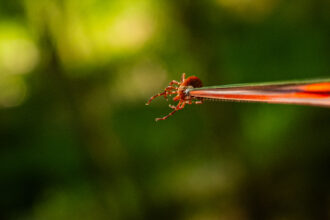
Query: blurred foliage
[[77, 141]]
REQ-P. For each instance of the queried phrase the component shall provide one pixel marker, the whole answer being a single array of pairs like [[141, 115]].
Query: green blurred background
[[77, 141]]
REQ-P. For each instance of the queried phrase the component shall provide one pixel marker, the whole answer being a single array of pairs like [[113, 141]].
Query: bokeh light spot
[[138, 81], [18, 53], [130, 31], [12, 91], [18, 56]]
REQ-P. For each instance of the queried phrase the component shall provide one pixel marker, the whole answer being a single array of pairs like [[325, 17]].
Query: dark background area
[[78, 142]]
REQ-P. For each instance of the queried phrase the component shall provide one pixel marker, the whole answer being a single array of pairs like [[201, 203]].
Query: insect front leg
[[168, 91], [174, 82]]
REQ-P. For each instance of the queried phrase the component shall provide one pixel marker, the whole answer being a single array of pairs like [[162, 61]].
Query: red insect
[[180, 88]]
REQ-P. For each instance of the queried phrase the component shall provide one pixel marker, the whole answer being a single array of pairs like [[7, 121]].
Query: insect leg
[[174, 82], [155, 96], [183, 77], [165, 117], [172, 106], [177, 108], [165, 93]]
